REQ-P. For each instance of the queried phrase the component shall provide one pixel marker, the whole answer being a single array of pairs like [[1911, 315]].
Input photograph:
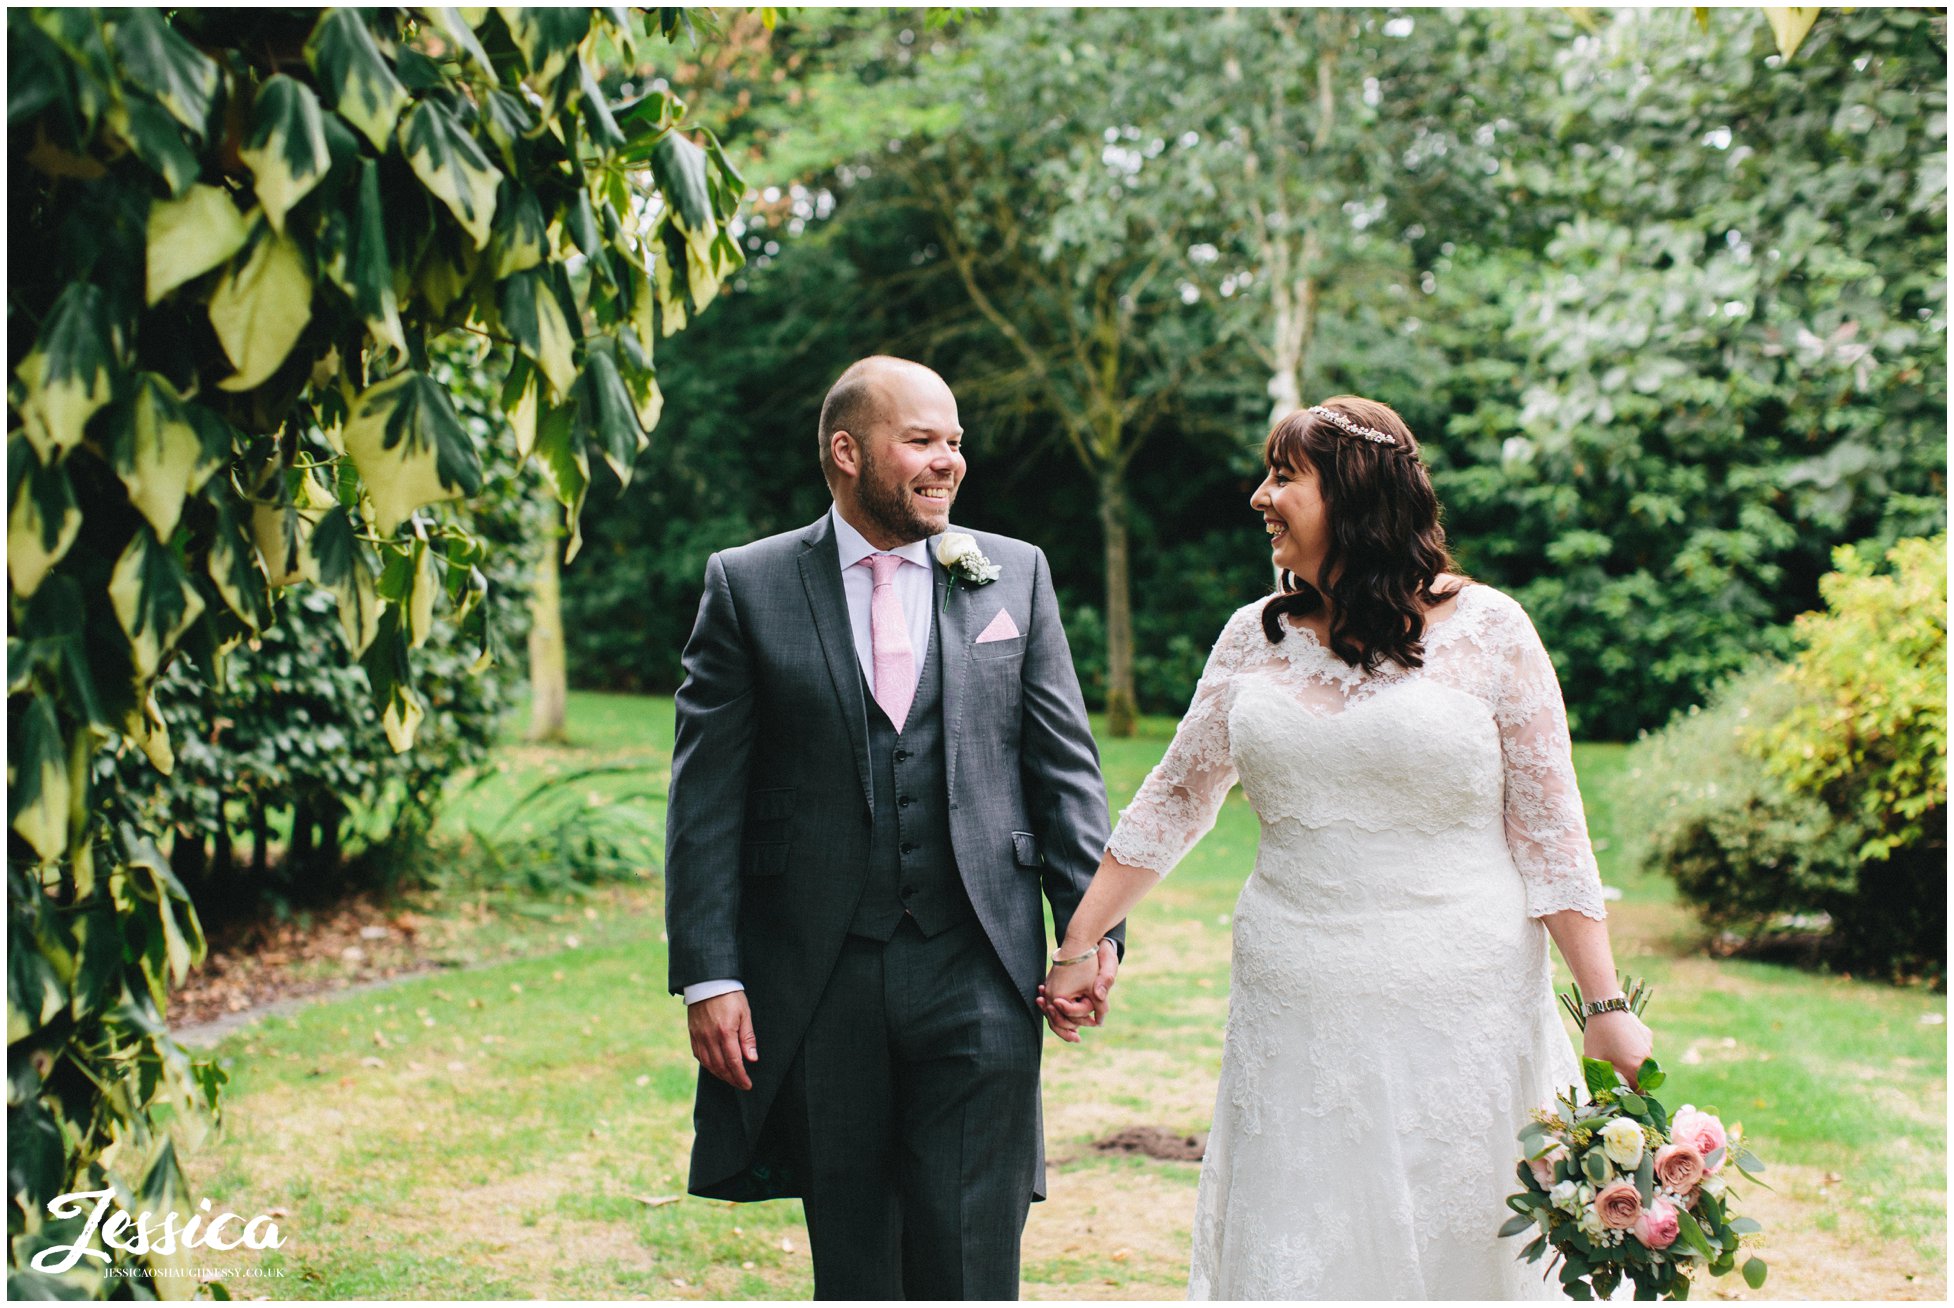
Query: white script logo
[[149, 1235]]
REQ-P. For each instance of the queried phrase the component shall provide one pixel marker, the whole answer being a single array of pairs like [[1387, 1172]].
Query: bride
[[1400, 734]]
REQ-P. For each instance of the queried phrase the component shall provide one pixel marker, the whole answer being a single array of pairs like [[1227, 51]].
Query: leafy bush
[[1869, 737], [1820, 786], [1741, 845]]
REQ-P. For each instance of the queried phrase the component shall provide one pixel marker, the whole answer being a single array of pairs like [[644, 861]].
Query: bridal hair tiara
[[1352, 426]]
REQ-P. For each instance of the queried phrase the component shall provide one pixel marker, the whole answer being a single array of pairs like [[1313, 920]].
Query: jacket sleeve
[[706, 808], [1059, 760]]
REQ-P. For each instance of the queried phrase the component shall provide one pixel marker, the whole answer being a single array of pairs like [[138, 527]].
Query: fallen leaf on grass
[[659, 1202]]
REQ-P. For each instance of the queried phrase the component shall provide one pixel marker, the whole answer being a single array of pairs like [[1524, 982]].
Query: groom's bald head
[[858, 400]]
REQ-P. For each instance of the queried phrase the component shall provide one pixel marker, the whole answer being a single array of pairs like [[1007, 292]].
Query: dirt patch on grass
[[1155, 1142]]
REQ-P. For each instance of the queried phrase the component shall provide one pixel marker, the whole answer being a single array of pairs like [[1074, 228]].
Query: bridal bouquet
[[1616, 1187]]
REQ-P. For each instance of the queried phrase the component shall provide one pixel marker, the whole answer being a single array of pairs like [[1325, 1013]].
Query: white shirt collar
[[854, 547]]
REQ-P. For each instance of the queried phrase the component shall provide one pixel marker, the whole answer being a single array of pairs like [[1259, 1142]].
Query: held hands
[[1619, 1038], [722, 1037], [1079, 994]]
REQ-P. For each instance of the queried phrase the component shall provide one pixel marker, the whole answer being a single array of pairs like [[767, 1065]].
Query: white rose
[[1566, 1196], [1622, 1139], [1714, 1185], [954, 546]]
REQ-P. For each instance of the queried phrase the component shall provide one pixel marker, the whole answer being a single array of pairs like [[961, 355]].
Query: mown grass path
[[520, 1129]]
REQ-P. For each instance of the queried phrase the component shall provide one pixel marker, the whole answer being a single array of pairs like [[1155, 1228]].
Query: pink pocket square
[[1001, 628]]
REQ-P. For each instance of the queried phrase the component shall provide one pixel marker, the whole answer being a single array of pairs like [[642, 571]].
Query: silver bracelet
[[1078, 958], [1596, 1007]]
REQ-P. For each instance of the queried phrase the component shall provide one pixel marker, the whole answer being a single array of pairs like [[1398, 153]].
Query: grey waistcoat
[[911, 866]]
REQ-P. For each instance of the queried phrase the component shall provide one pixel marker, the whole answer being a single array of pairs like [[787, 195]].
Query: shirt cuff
[[709, 990]]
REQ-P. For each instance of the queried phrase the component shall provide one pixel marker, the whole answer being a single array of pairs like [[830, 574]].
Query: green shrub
[[1820, 786], [1869, 735], [1741, 845]]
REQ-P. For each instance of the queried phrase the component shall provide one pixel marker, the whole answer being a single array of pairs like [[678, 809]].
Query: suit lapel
[[952, 610], [820, 562]]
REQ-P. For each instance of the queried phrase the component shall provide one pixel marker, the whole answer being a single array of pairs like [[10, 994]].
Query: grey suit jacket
[[768, 826]]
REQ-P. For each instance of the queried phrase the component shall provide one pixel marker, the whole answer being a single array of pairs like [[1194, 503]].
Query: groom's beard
[[892, 508]]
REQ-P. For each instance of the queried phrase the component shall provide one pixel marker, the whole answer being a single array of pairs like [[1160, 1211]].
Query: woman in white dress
[[1400, 734]]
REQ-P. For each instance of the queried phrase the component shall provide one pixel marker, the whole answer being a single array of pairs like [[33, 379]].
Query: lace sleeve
[[1546, 829], [1176, 805]]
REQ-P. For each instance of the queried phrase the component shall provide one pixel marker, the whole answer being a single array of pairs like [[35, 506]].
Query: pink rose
[[1703, 1132], [1657, 1227], [1543, 1168], [1618, 1205], [1679, 1167]]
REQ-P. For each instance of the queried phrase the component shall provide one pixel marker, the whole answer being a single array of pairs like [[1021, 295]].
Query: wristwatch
[[1596, 1007]]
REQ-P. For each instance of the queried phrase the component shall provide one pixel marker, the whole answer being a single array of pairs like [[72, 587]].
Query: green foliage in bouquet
[[1615, 1188], [242, 232]]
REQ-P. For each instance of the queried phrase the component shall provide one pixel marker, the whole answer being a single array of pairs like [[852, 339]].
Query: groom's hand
[[722, 1037]]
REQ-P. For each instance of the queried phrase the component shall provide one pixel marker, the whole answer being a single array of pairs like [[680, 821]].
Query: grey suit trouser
[[917, 1090]]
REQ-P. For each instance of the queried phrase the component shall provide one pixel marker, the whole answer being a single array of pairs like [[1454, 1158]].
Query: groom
[[880, 763]]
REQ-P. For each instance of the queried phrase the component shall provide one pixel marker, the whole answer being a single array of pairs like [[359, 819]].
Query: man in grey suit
[[881, 762]]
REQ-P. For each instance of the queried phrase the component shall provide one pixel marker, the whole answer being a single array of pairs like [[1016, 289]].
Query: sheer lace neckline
[[1437, 632]]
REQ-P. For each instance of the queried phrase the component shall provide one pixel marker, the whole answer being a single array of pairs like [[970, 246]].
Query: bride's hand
[[1619, 1038], [1075, 994]]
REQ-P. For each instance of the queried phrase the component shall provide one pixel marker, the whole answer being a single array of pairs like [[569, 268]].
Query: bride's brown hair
[[1386, 549]]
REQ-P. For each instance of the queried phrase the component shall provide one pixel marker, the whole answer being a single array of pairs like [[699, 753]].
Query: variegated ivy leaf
[[188, 237], [365, 91], [402, 717], [67, 373], [560, 454], [419, 613], [680, 169], [42, 522], [287, 146], [145, 726], [37, 782], [339, 563], [521, 239], [458, 29], [533, 316], [241, 585], [547, 38], [155, 138], [606, 410], [635, 364], [182, 78], [410, 448], [369, 272], [508, 120], [260, 308], [278, 534], [153, 600], [152, 880], [162, 456], [449, 163]]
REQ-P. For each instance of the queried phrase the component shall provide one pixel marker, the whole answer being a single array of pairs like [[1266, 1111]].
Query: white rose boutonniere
[[958, 553]]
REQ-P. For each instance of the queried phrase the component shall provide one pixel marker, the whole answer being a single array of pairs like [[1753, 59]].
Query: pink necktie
[[888, 635]]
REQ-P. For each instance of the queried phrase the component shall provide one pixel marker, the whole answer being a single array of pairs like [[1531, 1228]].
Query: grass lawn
[[521, 1128]]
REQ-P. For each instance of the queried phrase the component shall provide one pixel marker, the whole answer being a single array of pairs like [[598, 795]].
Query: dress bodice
[[1475, 737]]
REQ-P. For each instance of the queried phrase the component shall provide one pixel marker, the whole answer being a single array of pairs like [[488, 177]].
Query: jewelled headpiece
[[1352, 426]]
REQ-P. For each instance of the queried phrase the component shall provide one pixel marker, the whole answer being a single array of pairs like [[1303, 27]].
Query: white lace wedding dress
[[1391, 1019]]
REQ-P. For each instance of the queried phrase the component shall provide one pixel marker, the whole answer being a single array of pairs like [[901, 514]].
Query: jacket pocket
[[775, 805], [1025, 846], [768, 859], [1008, 648]]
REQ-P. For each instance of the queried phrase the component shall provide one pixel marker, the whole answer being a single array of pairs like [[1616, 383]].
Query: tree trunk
[[548, 672], [1120, 703]]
